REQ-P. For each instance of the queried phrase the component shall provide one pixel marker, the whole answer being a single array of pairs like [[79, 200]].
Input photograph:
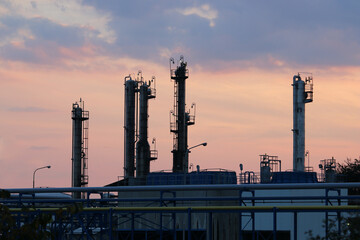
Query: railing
[[169, 212], [173, 73], [153, 154]]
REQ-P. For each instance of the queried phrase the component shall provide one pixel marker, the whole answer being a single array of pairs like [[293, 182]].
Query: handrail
[[188, 187], [203, 208]]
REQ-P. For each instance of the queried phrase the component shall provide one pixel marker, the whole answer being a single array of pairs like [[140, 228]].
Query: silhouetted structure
[[143, 153], [302, 93], [79, 147], [180, 119], [131, 90], [136, 145]]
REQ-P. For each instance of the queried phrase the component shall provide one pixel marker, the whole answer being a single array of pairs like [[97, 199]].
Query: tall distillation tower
[[302, 94], [136, 145], [143, 153], [79, 158], [179, 118], [131, 90]]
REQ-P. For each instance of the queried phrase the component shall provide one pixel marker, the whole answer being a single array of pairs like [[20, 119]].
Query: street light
[[35, 172], [188, 150]]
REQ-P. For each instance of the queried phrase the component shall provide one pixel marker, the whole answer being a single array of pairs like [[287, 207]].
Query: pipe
[[205, 208], [190, 187]]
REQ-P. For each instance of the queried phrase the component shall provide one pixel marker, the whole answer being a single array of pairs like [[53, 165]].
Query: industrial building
[[183, 204]]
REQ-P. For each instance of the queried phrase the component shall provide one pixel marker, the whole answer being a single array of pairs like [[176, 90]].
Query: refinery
[[188, 203]]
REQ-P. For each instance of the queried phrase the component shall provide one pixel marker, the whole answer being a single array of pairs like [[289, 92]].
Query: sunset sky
[[241, 57]]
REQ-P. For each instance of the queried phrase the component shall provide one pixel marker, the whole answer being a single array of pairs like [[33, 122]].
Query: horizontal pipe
[[157, 199], [244, 187], [204, 208]]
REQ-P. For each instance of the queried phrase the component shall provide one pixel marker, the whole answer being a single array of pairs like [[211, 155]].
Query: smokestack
[[182, 119], [142, 146], [129, 127], [302, 93], [79, 147]]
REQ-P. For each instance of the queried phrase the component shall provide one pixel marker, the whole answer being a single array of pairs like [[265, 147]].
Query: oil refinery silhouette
[[182, 204], [138, 154]]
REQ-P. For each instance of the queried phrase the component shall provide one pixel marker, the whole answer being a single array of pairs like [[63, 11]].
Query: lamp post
[[188, 150], [35, 172]]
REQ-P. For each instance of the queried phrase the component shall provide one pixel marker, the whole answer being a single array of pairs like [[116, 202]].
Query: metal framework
[[170, 213], [268, 165]]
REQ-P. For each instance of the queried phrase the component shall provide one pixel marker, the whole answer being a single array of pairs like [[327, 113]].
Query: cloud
[[68, 13], [40, 148], [257, 33], [28, 109], [204, 11]]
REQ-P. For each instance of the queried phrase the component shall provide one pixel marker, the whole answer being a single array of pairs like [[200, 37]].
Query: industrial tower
[[143, 153], [302, 93], [179, 118], [137, 94], [79, 158], [131, 90]]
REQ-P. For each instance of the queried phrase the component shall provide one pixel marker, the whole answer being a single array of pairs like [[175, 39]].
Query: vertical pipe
[[253, 216], [326, 215], [274, 223], [142, 146], [240, 216], [174, 225], [338, 212], [210, 228], [174, 217], [161, 226], [110, 224], [185, 144], [132, 226], [295, 225], [76, 148], [189, 223], [129, 128]]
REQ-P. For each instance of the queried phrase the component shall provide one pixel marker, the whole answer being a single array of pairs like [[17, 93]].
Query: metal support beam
[[295, 225], [189, 223], [274, 222]]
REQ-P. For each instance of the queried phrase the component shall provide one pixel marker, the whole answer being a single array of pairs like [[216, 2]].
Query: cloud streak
[[68, 13], [28, 109], [204, 11]]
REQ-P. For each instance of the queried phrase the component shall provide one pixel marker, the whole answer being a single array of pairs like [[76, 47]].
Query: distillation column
[[129, 127], [142, 146], [182, 118], [302, 93], [79, 147]]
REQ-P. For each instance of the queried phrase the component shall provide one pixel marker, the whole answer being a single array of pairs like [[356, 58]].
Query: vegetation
[[350, 225], [349, 229], [349, 171]]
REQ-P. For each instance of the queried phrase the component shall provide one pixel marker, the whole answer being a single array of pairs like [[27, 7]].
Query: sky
[[241, 55]]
